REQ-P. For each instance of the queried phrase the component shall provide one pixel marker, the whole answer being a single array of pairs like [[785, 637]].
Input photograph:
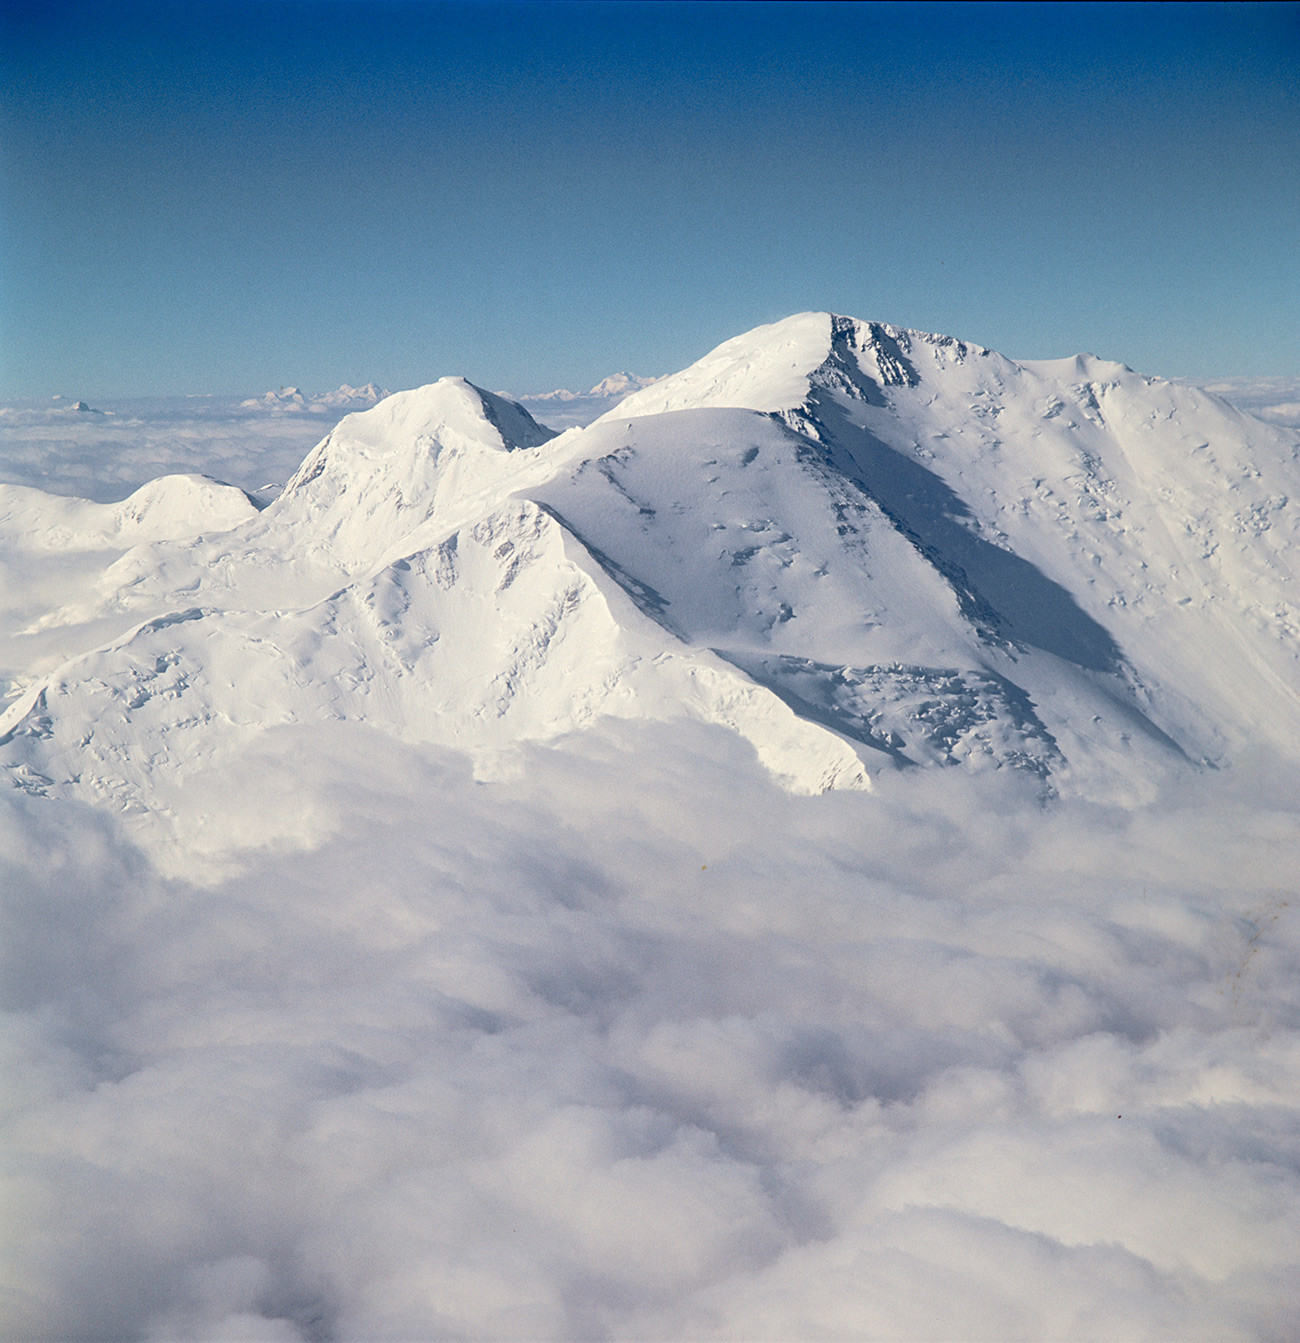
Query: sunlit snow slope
[[860, 548]]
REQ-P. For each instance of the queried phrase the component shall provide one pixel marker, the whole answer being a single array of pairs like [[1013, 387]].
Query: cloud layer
[[634, 1044], [107, 455]]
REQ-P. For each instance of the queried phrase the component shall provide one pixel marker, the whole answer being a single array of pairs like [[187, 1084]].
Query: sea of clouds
[[109, 449], [1273, 400], [633, 1044]]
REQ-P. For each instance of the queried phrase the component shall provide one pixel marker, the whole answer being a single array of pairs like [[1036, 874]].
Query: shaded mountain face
[[860, 548], [1095, 527]]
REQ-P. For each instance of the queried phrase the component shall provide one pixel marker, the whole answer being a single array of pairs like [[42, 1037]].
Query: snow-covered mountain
[[563, 409], [754, 866], [291, 399], [616, 385], [347, 397], [861, 548]]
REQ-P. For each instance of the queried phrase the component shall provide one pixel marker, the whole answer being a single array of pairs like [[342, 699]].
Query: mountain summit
[[861, 548]]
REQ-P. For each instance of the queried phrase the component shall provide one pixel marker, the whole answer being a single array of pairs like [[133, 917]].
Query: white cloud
[[56, 450], [1276, 400], [554, 1057]]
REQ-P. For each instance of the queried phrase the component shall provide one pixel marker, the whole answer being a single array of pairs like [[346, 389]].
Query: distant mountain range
[[563, 409], [291, 399]]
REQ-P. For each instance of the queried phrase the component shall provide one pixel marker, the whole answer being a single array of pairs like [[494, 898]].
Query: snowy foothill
[[802, 847]]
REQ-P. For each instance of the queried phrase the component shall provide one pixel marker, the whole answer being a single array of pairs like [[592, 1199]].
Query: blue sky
[[225, 197]]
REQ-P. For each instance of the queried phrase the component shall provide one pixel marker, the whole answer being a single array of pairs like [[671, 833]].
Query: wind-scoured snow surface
[[811, 854]]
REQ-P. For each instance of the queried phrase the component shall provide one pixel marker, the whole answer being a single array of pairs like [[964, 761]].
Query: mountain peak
[[774, 368], [292, 400], [1079, 368], [348, 397], [454, 409], [766, 369], [284, 398], [384, 471], [620, 384]]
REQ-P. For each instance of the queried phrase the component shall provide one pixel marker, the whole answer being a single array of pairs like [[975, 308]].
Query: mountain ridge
[[861, 547]]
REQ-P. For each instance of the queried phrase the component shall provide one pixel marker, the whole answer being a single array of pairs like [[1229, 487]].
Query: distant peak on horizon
[[61, 406], [291, 399], [617, 384]]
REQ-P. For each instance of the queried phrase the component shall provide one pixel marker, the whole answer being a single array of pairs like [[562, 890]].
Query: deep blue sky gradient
[[223, 197]]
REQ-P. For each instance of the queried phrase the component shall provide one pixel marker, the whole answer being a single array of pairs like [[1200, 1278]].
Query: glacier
[[710, 871]]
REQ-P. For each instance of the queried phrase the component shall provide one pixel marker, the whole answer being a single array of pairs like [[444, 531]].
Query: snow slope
[[1122, 525], [861, 548], [57, 553]]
